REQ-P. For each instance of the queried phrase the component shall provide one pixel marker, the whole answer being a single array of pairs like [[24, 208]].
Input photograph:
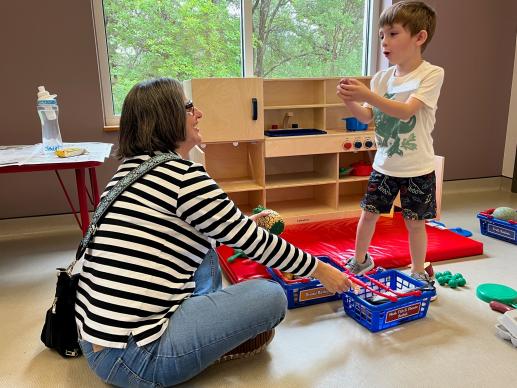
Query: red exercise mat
[[240, 269], [336, 239]]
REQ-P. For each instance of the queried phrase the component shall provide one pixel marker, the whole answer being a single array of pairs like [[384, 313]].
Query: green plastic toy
[[343, 171], [505, 213], [447, 278], [498, 292], [272, 222], [236, 253]]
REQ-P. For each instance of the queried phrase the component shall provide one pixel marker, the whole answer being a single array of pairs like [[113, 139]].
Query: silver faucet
[[287, 117]]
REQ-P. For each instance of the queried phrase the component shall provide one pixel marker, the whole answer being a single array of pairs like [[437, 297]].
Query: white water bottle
[[48, 112]]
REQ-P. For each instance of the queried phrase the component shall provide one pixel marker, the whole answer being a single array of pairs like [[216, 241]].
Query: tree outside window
[[308, 38], [202, 38]]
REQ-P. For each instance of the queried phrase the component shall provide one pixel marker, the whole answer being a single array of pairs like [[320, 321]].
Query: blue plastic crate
[[306, 291], [500, 229], [376, 317]]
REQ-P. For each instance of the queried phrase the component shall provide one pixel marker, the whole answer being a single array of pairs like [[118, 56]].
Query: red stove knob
[[347, 145]]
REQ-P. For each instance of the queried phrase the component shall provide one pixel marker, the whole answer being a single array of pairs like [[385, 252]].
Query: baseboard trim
[[28, 227]]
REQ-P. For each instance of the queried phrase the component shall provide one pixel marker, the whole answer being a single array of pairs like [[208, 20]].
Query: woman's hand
[[331, 278], [263, 213]]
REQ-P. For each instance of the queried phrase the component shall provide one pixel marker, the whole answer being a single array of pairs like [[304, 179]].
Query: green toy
[[498, 292], [272, 222], [447, 278], [505, 213], [236, 253], [344, 171]]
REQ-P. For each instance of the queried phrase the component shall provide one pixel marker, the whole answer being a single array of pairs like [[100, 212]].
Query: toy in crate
[[304, 291], [499, 224], [385, 299]]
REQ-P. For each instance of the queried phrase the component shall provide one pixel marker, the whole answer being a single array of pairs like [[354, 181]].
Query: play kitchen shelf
[[301, 177], [305, 102]]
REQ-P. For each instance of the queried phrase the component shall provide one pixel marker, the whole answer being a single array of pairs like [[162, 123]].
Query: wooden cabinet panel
[[246, 201], [227, 106], [293, 92], [307, 170], [236, 166], [312, 117], [304, 204]]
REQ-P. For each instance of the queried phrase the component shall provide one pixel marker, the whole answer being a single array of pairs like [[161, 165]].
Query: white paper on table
[[33, 154], [17, 154]]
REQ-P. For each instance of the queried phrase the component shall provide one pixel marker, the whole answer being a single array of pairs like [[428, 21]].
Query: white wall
[[511, 131]]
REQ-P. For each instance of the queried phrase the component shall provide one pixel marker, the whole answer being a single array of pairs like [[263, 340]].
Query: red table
[[80, 179]]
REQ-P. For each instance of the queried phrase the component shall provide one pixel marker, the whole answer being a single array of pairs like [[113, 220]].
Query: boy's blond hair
[[415, 16]]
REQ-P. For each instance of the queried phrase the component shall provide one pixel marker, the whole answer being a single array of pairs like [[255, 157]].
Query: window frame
[[111, 121]]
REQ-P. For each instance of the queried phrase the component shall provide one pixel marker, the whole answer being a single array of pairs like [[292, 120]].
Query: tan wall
[[51, 44], [475, 43], [54, 45], [510, 148]]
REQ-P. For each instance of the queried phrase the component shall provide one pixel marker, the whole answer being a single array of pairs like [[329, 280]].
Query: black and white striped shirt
[[139, 267]]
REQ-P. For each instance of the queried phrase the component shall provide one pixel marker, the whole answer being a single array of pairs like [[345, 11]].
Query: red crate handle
[[367, 287], [399, 294]]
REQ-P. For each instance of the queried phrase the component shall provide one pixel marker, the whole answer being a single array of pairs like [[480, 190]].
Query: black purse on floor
[[60, 329]]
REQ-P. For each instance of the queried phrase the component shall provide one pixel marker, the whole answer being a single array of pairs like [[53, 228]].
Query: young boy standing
[[402, 102]]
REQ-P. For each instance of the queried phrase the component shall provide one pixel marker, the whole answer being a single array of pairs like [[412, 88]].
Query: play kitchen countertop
[[332, 141]]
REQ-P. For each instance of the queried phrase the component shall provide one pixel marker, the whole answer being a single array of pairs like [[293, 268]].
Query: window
[[139, 39], [308, 38]]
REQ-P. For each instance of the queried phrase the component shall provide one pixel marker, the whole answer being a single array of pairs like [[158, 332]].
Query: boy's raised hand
[[350, 89], [340, 88]]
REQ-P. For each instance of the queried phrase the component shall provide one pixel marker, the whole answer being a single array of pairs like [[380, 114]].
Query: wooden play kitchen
[[298, 176]]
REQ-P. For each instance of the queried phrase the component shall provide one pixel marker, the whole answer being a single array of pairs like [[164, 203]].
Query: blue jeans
[[206, 326]]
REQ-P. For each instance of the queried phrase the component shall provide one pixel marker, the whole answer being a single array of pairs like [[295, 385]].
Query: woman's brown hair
[[153, 118]]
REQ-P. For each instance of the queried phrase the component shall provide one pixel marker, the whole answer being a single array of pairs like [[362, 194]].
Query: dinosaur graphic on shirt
[[390, 128]]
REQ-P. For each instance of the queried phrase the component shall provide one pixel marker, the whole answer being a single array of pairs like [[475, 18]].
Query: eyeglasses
[[189, 106]]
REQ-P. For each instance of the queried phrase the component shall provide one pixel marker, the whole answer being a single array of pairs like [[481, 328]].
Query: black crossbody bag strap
[[112, 195]]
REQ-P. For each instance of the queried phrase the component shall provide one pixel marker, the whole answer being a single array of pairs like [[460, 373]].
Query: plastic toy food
[[505, 213], [345, 171], [428, 267], [500, 307], [69, 152], [361, 168], [451, 280], [236, 253], [272, 222], [498, 292]]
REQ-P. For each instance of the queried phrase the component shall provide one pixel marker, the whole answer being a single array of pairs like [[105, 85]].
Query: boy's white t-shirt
[[405, 148]]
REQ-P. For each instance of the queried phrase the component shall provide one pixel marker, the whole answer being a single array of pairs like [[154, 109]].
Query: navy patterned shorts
[[417, 195]]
